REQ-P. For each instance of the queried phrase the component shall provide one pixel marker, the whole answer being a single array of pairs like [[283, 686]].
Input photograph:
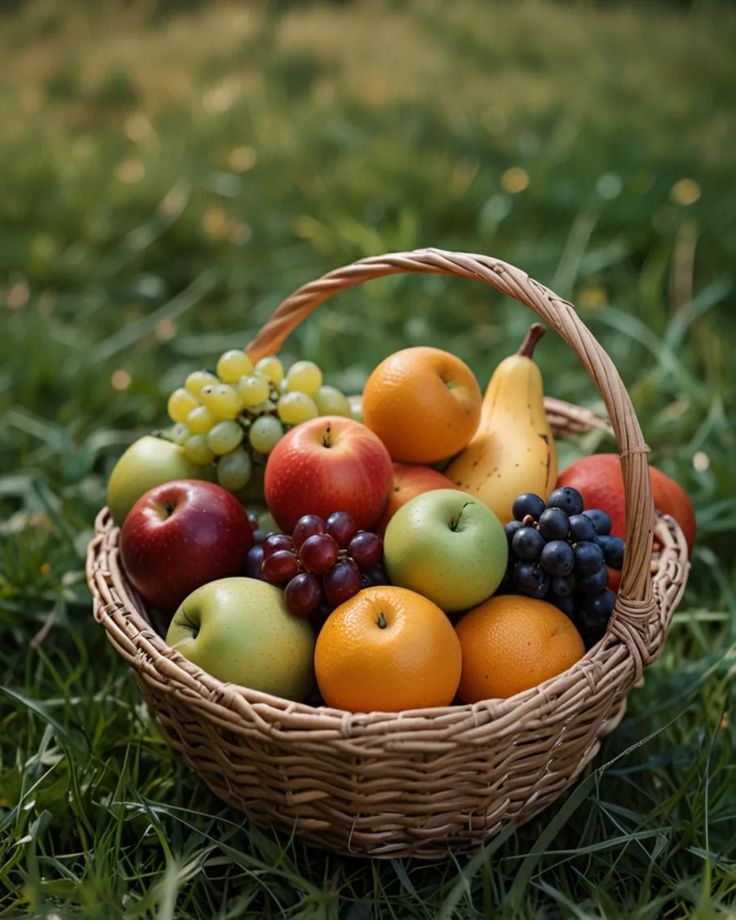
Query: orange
[[423, 403], [599, 480], [511, 643], [387, 649]]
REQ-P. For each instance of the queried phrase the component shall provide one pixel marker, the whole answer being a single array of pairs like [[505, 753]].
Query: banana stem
[[536, 331]]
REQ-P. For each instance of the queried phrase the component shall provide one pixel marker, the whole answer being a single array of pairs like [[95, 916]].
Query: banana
[[513, 450]]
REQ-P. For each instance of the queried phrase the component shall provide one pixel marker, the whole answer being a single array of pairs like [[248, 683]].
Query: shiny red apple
[[327, 464], [180, 535]]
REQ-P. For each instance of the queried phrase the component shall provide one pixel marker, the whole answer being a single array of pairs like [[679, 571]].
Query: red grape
[[307, 526], [341, 582], [318, 553], [365, 549], [341, 526], [303, 594], [276, 541], [374, 575], [280, 566], [253, 562]]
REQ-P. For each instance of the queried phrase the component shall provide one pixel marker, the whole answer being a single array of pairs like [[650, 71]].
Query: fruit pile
[[404, 549]]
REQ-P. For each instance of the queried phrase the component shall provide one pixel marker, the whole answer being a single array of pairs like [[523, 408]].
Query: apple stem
[[326, 439], [168, 507], [381, 621], [526, 349]]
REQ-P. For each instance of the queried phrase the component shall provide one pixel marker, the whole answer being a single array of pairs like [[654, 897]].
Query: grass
[[169, 173]]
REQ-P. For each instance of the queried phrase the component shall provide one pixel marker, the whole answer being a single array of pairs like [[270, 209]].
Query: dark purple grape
[[307, 526], [527, 543], [342, 582], [365, 549], [531, 579], [594, 613], [566, 603], [280, 566], [252, 519], [558, 558], [253, 562], [567, 498], [511, 528], [595, 582], [600, 520], [554, 524], [588, 558], [341, 526], [374, 575], [507, 585], [613, 550], [563, 586], [527, 503], [259, 536], [581, 528], [275, 542], [303, 594], [318, 553]]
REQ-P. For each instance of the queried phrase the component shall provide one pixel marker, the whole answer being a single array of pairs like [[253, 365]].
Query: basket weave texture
[[420, 782]]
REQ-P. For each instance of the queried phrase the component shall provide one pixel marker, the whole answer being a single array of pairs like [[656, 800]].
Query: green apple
[[148, 462], [239, 630], [448, 546]]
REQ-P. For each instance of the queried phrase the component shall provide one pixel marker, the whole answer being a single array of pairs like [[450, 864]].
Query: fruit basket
[[420, 782]]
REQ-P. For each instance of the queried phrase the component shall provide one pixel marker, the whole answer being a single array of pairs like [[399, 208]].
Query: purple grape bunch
[[561, 553], [321, 564]]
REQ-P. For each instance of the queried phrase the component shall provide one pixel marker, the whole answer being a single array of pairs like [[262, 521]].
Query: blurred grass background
[[170, 171]]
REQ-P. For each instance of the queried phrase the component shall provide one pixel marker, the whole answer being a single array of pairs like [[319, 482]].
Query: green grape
[[234, 469], [224, 437], [180, 404], [253, 389], [179, 433], [305, 377], [295, 408], [271, 368], [197, 451], [198, 379], [330, 401], [356, 407], [265, 433], [268, 406], [233, 365], [200, 420], [222, 400]]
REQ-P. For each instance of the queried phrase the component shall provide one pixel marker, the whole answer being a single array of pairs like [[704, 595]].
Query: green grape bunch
[[235, 417]]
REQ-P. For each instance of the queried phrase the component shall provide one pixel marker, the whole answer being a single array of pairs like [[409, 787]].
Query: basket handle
[[635, 606]]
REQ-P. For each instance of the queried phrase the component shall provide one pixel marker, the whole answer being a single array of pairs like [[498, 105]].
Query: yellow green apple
[[239, 630], [448, 546]]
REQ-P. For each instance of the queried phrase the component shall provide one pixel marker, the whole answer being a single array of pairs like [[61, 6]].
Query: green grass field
[[167, 177]]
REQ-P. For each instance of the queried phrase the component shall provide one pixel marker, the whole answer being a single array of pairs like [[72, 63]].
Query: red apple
[[327, 464], [411, 479], [180, 535]]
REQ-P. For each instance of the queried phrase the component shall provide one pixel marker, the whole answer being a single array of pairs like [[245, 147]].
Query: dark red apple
[[330, 463], [180, 535]]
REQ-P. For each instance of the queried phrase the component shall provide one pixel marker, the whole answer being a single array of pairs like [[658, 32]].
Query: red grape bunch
[[321, 564]]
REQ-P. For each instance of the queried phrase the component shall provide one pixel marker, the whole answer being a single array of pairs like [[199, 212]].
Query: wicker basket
[[414, 783]]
